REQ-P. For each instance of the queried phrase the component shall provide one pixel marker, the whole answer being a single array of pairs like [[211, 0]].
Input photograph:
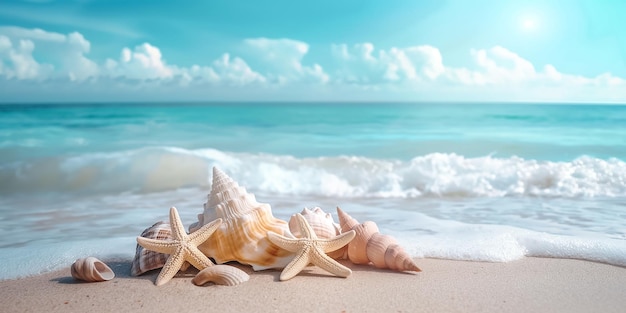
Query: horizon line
[[182, 102]]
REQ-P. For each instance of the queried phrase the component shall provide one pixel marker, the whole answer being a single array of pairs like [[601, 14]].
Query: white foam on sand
[[43, 257]]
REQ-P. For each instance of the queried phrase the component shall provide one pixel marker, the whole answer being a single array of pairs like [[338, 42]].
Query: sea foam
[[422, 237], [436, 174]]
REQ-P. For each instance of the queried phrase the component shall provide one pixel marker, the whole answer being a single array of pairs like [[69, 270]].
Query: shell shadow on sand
[[120, 268]]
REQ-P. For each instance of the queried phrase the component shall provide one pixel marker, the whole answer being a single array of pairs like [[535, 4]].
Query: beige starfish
[[182, 248], [310, 249]]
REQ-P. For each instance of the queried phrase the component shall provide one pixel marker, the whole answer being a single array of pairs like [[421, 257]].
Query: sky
[[285, 50]]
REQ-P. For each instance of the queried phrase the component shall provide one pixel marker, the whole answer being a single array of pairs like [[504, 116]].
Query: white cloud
[[77, 66], [362, 64], [145, 62], [499, 66], [67, 50], [18, 62], [428, 59], [497, 72], [203, 73], [25, 65], [34, 34], [235, 71], [277, 69], [283, 60], [496, 66]]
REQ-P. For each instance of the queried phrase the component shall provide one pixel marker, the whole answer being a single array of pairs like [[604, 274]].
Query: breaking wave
[[431, 175]]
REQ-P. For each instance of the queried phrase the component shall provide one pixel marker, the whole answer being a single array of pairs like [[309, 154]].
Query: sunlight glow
[[529, 23]]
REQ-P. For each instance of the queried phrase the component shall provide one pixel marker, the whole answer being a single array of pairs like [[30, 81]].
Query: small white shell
[[91, 269], [323, 225], [321, 222], [222, 275]]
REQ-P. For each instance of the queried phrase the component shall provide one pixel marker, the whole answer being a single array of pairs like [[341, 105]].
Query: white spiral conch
[[242, 236], [91, 269]]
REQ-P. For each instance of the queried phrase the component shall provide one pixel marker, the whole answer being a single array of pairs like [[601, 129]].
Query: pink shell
[[369, 245]]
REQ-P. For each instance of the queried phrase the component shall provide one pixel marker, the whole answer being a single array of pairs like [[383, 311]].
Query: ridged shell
[[221, 275], [146, 260], [376, 248], [242, 237], [371, 246], [321, 222], [398, 260], [356, 248], [323, 225], [91, 269]]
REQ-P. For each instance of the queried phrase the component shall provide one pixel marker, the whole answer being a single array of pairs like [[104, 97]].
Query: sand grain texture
[[528, 285]]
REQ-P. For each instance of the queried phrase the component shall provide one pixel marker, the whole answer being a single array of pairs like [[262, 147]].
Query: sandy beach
[[528, 285]]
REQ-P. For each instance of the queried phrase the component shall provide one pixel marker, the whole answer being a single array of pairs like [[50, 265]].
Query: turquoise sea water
[[490, 182]]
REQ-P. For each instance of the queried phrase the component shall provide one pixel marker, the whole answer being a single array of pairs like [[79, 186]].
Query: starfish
[[310, 249], [182, 248]]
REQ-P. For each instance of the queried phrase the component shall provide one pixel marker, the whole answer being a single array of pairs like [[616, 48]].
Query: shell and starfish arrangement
[[235, 227]]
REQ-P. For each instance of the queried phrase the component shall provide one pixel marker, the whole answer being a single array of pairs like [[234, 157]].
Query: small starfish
[[182, 248], [310, 249]]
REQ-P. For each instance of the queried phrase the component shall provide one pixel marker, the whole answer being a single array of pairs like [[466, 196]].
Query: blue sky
[[462, 50]]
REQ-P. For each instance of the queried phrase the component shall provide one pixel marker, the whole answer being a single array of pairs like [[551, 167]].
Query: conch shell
[[242, 237], [369, 245], [146, 260], [221, 275], [323, 225], [91, 269]]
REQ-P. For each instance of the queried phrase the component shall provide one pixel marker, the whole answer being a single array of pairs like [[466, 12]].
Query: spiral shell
[[321, 222], [222, 275], [242, 236], [146, 260], [91, 269], [323, 225], [369, 245]]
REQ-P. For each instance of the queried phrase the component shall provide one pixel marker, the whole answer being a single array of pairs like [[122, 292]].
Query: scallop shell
[[146, 260], [369, 245], [221, 275], [323, 225], [91, 269], [242, 237]]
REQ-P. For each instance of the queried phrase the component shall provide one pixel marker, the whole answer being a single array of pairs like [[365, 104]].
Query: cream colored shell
[[369, 245], [323, 225], [222, 275], [91, 269], [242, 237]]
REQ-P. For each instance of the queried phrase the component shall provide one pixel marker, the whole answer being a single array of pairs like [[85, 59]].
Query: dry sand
[[528, 285]]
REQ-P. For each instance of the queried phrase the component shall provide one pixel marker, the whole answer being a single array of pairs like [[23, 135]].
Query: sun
[[529, 23]]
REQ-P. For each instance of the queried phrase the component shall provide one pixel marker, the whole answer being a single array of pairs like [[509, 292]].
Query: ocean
[[467, 181]]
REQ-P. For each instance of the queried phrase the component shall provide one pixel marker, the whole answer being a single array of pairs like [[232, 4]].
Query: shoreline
[[528, 285]]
